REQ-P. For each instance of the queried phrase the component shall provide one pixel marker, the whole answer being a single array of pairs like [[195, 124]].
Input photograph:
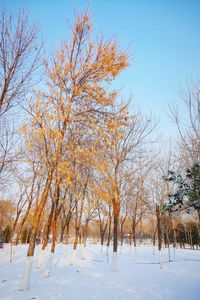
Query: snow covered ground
[[138, 276]]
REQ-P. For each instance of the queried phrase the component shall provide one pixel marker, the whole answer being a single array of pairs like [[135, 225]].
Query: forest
[[81, 164]]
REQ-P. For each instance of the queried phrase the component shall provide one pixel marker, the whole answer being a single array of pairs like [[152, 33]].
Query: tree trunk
[[109, 226], [63, 226], [173, 235], [115, 232], [54, 229], [131, 237], [141, 232], [76, 239], [37, 217], [122, 237], [115, 241], [134, 233], [19, 233], [154, 239], [102, 237], [14, 227], [48, 227], [116, 212], [158, 215], [85, 233], [67, 233]]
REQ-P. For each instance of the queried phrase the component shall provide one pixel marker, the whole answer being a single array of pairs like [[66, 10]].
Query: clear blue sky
[[164, 40]]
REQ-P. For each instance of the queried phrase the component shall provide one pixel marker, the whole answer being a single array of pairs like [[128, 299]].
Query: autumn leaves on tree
[[70, 121], [79, 140]]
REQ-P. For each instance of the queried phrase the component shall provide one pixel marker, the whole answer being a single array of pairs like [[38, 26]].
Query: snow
[[138, 275]]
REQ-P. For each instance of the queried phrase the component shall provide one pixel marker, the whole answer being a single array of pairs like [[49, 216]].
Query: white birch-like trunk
[[82, 251], [135, 253], [40, 259], [154, 250], [131, 249], [174, 252], [101, 248], [107, 254], [161, 259], [73, 257], [114, 262], [27, 273], [11, 252], [50, 263], [169, 254], [66, 247]]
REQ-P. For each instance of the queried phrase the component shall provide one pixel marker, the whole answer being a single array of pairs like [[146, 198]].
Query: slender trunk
[[165, 234], [102, 233], [159, 227], [48, 227], [115, 232], [53, 244], [109, 233], [141, 232], [28, 209], [154, 239], [12, 236], [22, 223], [173, 235], [158, 215], [131, 238], [69, 215], [67, 233], [63, 227], [198, 223], [115, 242], [85, 232], [14, 227], [55, 218], [122, 238], [191, 242], [76, 239], [186, 236], [134, 233], [122, 232], [168, 245], [115, 236], [80, 238], [36, 222], [78, 218], [54, 229], [109, 226], [102, 237], [37, 217]]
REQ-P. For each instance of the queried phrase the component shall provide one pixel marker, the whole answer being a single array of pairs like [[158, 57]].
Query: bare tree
[[7, 143], [188, 123], [20, 57]]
